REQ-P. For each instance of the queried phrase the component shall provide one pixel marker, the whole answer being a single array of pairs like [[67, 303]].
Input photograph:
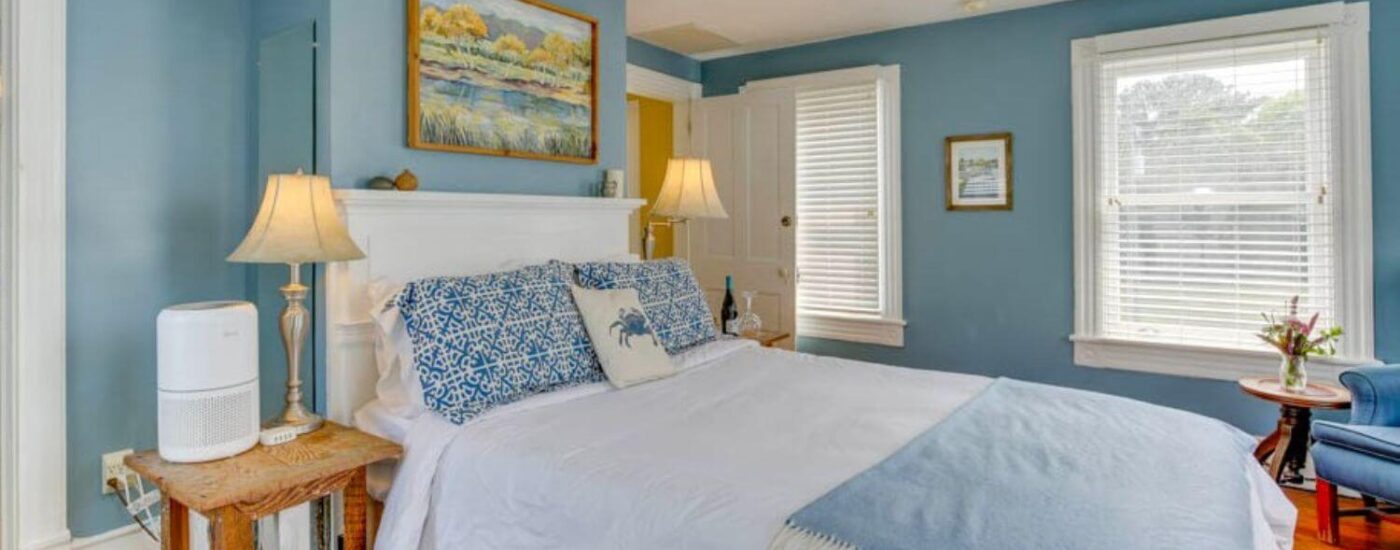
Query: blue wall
[[662, 60], [992, 293], [158, 169]]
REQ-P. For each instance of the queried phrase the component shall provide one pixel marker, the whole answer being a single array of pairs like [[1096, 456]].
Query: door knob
[[783, 273], [786, 221]]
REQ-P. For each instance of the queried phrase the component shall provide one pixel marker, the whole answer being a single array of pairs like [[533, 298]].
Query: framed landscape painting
[[977, 172], [513, 78]]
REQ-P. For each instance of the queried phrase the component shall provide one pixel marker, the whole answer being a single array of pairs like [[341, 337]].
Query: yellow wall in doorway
[[656, 144]]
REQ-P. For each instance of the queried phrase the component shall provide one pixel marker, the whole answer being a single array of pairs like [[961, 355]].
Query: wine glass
[[749, 324]]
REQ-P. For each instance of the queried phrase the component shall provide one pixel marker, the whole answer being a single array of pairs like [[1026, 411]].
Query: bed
[[723, 455]]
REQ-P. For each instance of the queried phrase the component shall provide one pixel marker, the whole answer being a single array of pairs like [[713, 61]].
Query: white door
[[749, 140]]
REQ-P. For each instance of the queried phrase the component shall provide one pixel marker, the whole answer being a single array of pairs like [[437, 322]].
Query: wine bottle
[[728, 314]]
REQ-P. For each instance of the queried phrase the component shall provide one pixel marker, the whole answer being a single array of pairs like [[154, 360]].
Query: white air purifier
[[207, 380]]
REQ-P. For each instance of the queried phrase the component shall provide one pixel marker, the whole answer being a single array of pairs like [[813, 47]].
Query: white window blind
[[838, 200], [1215, 162]]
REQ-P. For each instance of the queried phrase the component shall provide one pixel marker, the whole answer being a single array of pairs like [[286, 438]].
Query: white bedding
[[715, 457]]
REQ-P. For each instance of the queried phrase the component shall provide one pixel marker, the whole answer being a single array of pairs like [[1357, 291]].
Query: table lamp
[[297, 223], [687, 193]]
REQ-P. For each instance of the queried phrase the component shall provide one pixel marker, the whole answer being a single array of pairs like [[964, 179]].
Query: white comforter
[[716, 457]]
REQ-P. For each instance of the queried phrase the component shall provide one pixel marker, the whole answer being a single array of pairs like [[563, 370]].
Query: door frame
[[682, 95], [33, 484]]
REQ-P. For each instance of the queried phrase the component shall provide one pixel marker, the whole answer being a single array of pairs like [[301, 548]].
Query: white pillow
[[399, 390], [622, 336]]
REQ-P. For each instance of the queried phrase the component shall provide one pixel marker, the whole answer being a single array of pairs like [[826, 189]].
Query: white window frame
[[1350, 24], [888, 328]]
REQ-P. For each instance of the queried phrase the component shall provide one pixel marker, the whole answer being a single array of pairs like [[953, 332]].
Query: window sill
[[884, 332], [1196, 361]]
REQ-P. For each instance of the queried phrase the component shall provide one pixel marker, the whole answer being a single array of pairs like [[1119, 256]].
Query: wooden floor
[[1356, 533]]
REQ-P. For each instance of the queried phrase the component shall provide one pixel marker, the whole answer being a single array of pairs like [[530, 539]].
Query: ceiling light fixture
[[974, 6]]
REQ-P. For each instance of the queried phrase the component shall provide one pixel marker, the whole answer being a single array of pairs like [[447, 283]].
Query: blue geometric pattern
[[670, 296], [488, 340]]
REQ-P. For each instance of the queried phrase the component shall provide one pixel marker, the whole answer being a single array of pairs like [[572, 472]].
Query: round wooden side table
[[1285, 451]]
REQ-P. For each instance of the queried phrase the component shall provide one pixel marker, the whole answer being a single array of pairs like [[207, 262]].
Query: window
[[847, 204], [1215, 181]]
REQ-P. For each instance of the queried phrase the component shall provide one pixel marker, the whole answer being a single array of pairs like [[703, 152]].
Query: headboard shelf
[[410, 235]]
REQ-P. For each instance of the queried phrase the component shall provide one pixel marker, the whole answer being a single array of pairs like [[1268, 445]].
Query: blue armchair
[[1363, 454]]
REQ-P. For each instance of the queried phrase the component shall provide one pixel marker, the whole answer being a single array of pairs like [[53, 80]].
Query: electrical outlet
[[114, 468]]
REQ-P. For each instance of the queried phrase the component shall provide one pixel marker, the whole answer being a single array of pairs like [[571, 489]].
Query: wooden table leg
[[230, 529], [1295, 454], [174, 524], [1266, 447], [1291, 451], [356, 501], [1285, 440]]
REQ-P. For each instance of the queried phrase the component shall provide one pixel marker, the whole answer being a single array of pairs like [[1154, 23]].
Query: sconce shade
[[296, 224], [688, 192]]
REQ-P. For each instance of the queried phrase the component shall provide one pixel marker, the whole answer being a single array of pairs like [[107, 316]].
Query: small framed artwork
[[977, 171]]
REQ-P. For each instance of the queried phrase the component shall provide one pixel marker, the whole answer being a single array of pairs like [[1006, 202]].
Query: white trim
[[888, 329], [34, 481], [1354, 228], [56, 541], [1226, 27], [435, 202], [658, 85], [1350, 25], [884, 332], [891, 203], [126, 537], [835, 77], [680, 92], [1196, 361]]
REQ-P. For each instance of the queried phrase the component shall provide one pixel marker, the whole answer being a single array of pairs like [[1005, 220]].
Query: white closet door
[[749, 140]]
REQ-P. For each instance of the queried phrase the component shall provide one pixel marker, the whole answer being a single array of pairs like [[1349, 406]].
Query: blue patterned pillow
[[670, 296], [488, 340]]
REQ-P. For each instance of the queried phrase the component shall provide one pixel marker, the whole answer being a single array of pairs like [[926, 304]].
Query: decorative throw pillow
[[622, 336], [670, 296], [488, 340]]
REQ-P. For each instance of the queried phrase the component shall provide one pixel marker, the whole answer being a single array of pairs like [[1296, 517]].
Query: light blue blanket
[[1033, 466]]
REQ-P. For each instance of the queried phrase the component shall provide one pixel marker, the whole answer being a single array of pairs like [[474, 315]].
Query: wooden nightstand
[[1285, 451], [767, 338], [235, 491]]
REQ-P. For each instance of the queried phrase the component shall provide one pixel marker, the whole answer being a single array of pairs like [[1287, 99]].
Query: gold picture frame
[[510, 94], [978, 172]]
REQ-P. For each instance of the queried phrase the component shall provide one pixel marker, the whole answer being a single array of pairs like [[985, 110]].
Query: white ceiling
[[766, 24]]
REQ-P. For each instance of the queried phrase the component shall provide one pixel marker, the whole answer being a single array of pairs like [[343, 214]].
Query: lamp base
[[294, 324], [298, 418]]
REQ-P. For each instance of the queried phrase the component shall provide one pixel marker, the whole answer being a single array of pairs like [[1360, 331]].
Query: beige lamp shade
[[688, 191], [296, 224]]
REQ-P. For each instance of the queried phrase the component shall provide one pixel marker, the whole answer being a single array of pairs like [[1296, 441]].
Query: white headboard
[[408, 235]]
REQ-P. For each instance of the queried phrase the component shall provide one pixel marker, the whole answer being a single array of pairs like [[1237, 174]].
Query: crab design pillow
[[622, 336]]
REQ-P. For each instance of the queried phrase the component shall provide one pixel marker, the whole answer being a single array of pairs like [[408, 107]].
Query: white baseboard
[[126, 537], [56, 541], [131, 537]]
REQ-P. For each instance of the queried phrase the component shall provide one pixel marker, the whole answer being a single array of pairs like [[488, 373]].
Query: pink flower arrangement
[[1294, 338]]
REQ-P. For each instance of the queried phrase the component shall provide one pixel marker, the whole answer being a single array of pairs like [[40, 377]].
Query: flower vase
[[1293, 373]]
